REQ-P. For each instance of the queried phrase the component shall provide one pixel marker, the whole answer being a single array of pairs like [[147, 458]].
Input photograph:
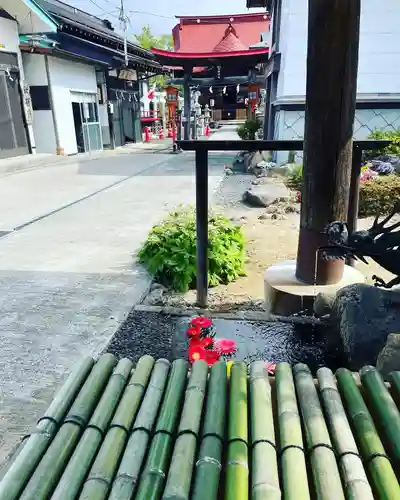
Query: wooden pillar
[[332, 63]]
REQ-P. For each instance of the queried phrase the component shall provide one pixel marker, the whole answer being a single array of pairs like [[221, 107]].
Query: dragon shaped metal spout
[[381, 243]]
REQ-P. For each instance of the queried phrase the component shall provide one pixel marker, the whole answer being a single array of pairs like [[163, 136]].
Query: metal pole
[[202, 226], [354, 193]]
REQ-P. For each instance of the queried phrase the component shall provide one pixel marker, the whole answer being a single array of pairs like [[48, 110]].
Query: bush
[[170, 250], [249, 129], [294, 177], [379, 195], [392, 149]]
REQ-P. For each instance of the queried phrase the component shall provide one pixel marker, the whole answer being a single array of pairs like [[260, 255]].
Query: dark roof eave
[[111, 37]]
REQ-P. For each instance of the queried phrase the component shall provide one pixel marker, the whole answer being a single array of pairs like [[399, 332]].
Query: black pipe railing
[[202, 148]]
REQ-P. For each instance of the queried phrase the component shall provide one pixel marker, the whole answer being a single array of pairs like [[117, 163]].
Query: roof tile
[[164, 431]]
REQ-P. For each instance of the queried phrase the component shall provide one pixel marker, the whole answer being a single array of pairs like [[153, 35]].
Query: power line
[[143, 13]]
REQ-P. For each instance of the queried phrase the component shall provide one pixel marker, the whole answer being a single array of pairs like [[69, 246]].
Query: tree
[[147, 40]]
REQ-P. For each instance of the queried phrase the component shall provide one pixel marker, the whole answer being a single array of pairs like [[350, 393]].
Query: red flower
[[193, 332], [196, 352], [270, 367], [207, 342], [225, 346], [201, 322], [211, 357]]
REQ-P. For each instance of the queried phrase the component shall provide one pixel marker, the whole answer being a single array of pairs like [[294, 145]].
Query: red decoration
[[225, 347], [270, 367], [202, 345], [193, 332], [201, 322]]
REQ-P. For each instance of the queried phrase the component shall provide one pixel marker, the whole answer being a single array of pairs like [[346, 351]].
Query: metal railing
[[202, 148]]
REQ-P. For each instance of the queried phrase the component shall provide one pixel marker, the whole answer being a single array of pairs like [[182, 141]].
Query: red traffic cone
[[161, 136], [169, 132], [147, 137]]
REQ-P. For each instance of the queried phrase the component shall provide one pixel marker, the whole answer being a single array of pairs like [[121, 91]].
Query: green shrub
[[294, 177], [392, 149], [248, 130], [170, 250], [379, 195]]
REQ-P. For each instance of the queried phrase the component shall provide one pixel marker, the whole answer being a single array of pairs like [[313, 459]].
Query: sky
[[158, 14]]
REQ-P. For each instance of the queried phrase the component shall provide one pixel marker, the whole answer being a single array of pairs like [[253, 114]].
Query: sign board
[[128, 74], [27, 104]]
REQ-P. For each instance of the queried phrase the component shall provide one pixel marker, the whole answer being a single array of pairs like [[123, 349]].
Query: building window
[[40, 98]]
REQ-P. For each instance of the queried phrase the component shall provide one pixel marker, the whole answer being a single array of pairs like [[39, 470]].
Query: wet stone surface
[[165, 336]]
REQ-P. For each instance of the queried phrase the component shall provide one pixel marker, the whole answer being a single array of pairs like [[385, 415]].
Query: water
[[274, 342]]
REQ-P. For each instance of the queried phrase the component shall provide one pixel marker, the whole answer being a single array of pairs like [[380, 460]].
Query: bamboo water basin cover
[[160, 431]]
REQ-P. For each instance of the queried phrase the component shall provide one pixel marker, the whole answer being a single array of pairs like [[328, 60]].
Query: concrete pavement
[[68, 273]]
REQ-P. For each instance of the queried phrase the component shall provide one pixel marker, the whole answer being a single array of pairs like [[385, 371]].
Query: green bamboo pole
[[385, 410], [383, 479], [237, 470], [326, 477], [208, 466], [180, 472], [126, 480], [394, 379], [50, 468], [293, 464], [34, 448], [152, 480], [82, 458], [265, 479], [102, 472], [353, 473]]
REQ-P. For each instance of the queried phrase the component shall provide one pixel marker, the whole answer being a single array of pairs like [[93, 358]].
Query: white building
[[378, 86], [17, 16], [65, 104]]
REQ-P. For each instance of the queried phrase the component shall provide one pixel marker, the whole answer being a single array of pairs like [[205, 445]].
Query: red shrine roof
[[230, 42], [203, 34]]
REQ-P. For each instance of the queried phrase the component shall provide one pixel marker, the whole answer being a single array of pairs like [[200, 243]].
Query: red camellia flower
[[193, 332], [211, 357], [225, 347], [207, 342], [196, 352], [270, 367], [201, 322]]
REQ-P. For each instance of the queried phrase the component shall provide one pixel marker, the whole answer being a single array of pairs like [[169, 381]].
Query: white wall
[[43, 125], [10, 39], [379, 56], [67, 76]]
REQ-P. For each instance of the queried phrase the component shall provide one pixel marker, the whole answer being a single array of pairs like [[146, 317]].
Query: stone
[[265, 194], [389, 358], [323, 304], [364, 316], [157, 286], [155, 297], [265, 216]]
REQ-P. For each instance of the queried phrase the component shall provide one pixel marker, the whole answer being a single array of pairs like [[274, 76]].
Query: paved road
[[68, 274]]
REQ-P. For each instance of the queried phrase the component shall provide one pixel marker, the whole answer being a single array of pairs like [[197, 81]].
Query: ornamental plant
[[378, 196], [203, 345], [169, 252]]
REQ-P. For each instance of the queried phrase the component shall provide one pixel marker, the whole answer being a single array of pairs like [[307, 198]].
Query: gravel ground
[[163, 336], [144, 333]]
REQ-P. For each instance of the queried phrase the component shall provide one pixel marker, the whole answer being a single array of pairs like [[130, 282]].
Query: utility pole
[[124, 25]]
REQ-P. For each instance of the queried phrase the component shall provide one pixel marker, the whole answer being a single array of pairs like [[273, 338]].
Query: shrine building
[[221, 57]]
